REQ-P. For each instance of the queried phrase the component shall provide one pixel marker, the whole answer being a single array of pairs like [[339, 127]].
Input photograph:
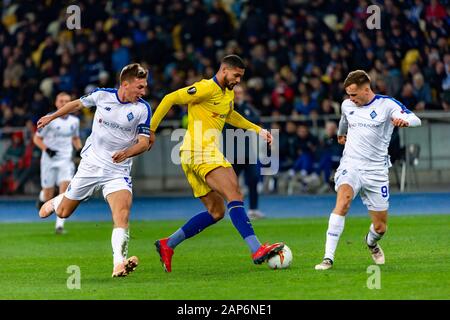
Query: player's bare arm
[[76, 141], [39, 142], [141, 146], [70, 107]]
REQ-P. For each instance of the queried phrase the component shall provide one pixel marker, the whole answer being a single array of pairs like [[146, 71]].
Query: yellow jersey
[[209, 107]]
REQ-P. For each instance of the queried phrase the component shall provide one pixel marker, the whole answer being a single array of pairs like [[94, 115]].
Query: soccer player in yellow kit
[[212, 178]]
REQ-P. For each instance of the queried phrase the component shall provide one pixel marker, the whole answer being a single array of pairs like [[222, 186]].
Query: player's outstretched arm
[[196, 93], [69, 107], [238, 121], [164, 106], [342, 130], [141, 146]]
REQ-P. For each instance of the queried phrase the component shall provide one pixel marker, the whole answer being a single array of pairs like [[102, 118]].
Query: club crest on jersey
[[373, 114], [352, 112], [192, 90], [130, 116]]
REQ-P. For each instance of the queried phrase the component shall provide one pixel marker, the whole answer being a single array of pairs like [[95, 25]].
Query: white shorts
[[372, 185], [90, 178], [55, 172]]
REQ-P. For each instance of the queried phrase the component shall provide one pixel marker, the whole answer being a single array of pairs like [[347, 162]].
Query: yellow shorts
[[196, 165]]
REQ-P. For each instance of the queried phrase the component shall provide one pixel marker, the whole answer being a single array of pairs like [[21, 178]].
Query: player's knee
[[379, 228], [63, 213], [121, 217], [235, 195], [217, 211]]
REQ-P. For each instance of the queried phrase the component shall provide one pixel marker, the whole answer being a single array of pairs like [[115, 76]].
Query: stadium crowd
[[298, 54]]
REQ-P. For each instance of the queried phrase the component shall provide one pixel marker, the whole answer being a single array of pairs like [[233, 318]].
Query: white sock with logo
[[335, 229], [119, 242], [373, 236]]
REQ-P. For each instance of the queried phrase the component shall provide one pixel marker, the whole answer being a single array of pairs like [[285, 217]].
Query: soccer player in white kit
[[57, 141], [120, 131], [366, 126]]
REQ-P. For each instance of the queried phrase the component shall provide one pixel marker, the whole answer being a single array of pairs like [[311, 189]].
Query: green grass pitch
[[216, 263]]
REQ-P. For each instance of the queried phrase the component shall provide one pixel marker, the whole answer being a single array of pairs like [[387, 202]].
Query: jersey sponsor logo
[[364, 125], [192, 90], [373, 114], [218, 115], [114, 125], [130, 116]]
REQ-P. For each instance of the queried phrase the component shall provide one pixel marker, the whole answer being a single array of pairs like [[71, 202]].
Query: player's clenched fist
[[342, 139], [400, 122], [266, 135], [119, 156]]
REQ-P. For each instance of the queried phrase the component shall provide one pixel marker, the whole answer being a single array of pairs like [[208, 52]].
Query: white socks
[[59, 222], [373, 236], [119, 242], [335, 228]]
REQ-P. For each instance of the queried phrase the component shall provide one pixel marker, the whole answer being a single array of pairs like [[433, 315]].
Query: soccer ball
[[280, 260]]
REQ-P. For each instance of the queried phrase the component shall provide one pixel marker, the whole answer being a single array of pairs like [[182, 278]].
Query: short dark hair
[[132, 71], [234, 61], [358, 77]]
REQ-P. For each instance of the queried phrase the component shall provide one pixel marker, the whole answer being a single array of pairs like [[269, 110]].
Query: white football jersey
[[58, 137], [115, 127], [370, 129]]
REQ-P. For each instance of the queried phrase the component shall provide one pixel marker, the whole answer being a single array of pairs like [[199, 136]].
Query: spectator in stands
[[12, 163], [287, 46], [306, 147], [422, 92]]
